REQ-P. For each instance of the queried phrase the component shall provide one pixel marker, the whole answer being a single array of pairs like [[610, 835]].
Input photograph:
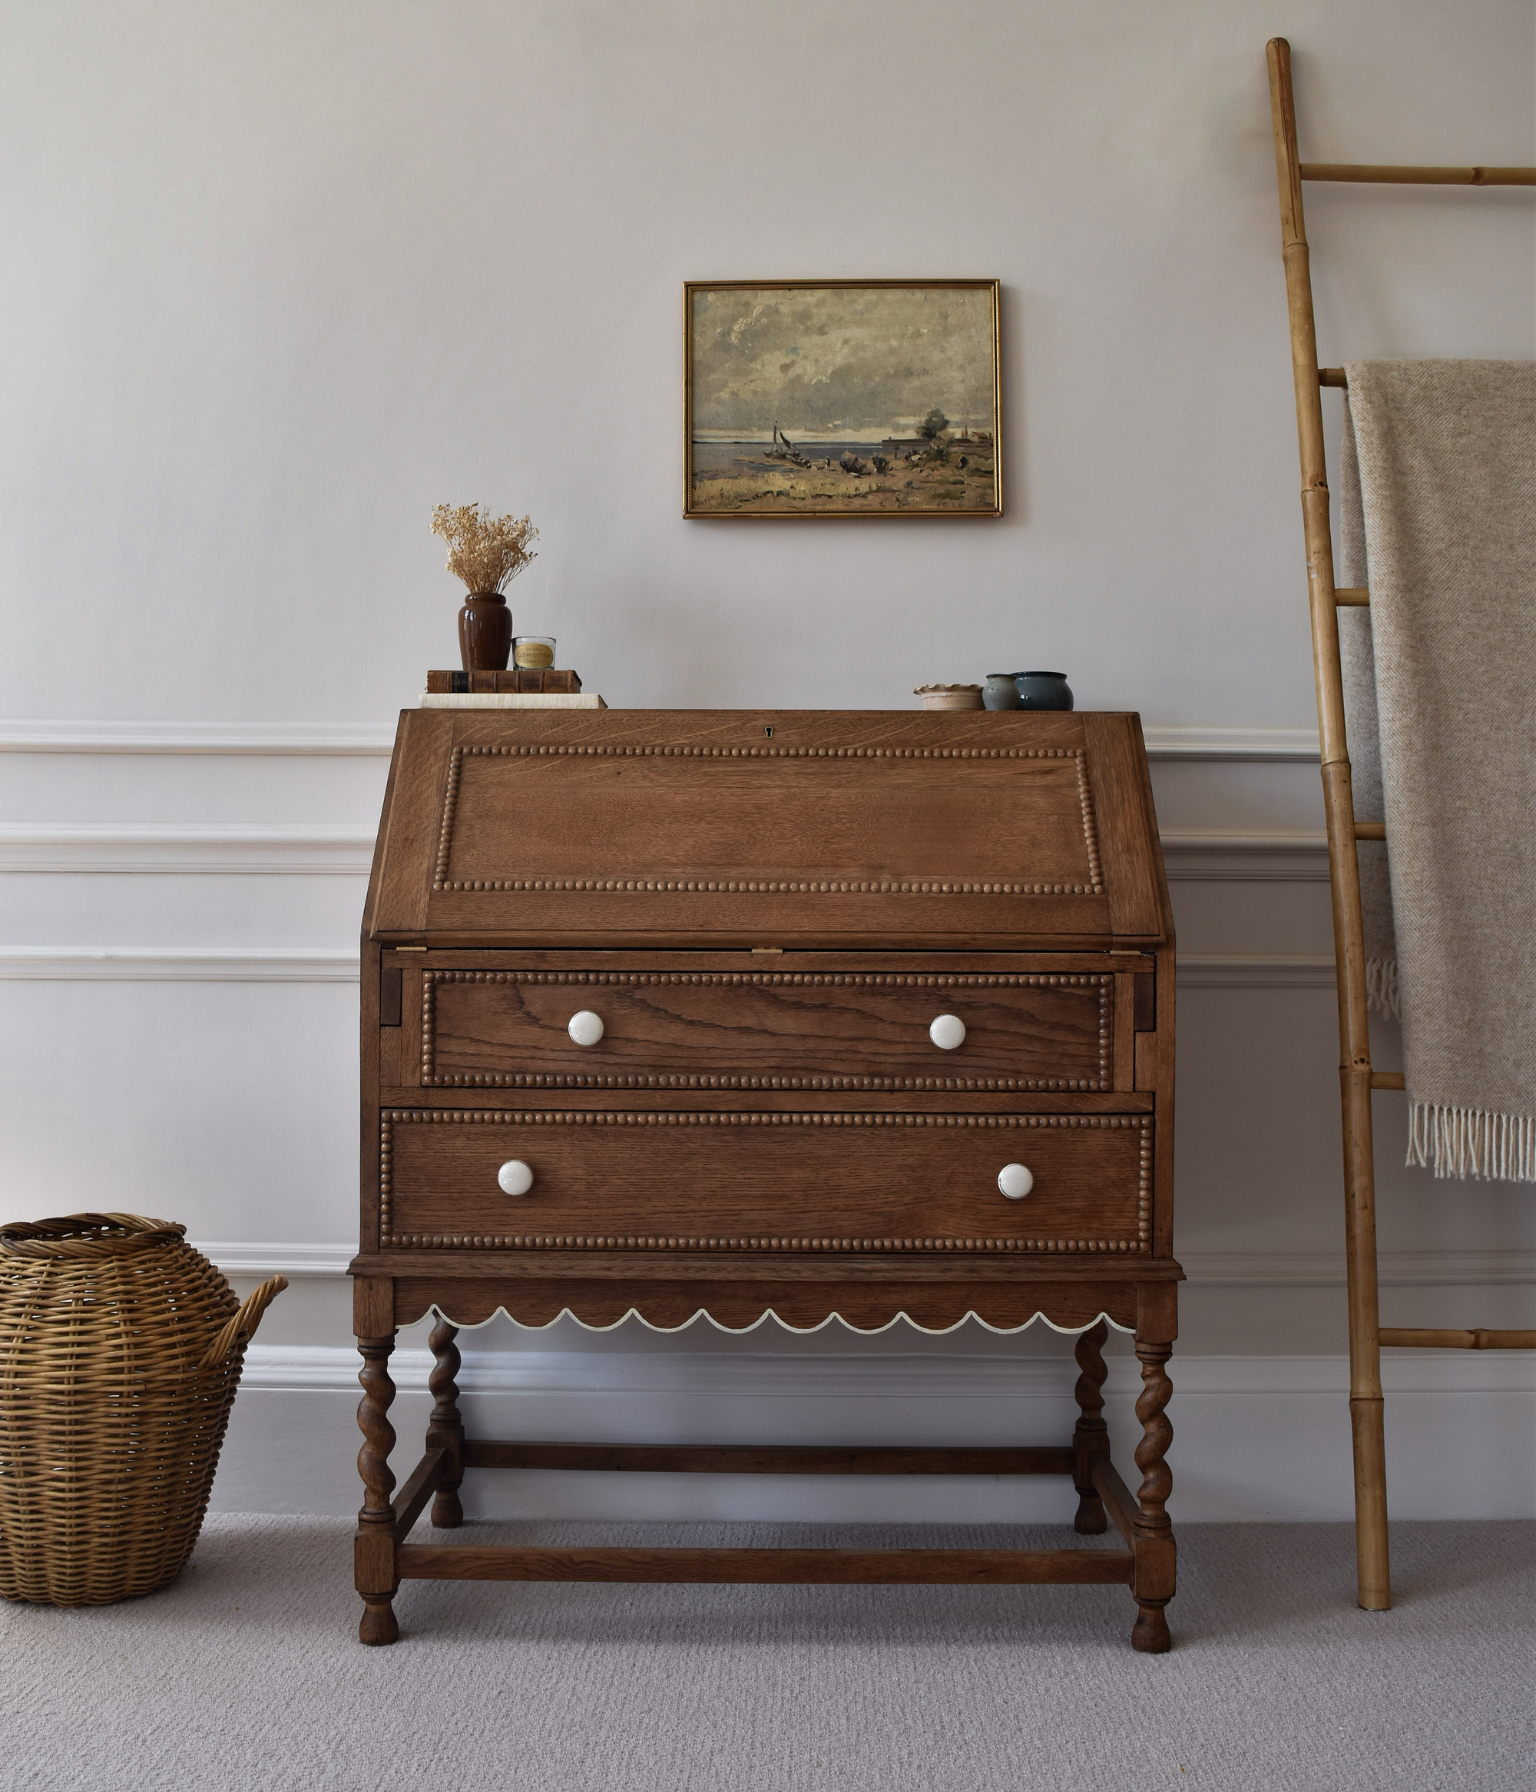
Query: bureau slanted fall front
[[733, 1011]]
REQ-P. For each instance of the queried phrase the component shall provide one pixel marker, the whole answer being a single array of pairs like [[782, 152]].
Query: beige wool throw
[[1438, 517]]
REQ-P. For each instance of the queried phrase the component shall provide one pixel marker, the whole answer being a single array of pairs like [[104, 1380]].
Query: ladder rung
[[1442, 1340], [1331, 376], [1370, 830], [1398, 175], [1387, 1079], [1352, 595]]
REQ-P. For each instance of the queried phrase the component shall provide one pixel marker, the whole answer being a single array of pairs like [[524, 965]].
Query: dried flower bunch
[[486, 552]]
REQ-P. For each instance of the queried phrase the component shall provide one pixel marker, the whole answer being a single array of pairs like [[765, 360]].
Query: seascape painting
[[842, 399]]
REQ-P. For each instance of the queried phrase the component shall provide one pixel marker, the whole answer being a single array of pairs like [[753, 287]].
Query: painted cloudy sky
[[831, 362]]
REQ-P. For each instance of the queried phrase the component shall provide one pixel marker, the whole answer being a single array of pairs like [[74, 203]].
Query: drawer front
[[766, 1030], [765, 1182]]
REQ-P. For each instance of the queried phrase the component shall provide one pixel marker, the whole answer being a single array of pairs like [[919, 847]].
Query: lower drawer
[[764, 1181]]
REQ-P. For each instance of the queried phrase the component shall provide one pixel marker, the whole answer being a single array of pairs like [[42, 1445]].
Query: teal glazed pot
[[1001, 691], [1043, 690]]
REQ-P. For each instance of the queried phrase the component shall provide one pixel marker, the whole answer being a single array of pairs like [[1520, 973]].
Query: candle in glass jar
[[533, 653]]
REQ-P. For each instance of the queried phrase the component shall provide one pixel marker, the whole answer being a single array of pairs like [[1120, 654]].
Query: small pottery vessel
[[1043, 690], [485, 632], [1001, 691], [949, 696]]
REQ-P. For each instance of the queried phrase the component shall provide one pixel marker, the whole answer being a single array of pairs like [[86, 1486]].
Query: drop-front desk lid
[[764, 828]]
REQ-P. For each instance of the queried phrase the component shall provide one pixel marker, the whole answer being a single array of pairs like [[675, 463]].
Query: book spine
[[505, 700], [508, 683]]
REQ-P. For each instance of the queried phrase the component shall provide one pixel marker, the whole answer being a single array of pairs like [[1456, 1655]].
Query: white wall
[[277, 279]]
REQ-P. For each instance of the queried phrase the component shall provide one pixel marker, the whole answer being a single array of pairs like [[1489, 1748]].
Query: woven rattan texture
[[110, 1425]]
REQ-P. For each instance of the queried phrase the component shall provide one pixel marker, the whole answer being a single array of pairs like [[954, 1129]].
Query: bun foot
[[379, 1625], [447, 1513], [1091, 1520], [1149, 1635]]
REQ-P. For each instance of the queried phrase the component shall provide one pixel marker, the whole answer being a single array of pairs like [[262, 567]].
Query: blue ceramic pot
[[1001, 691], [1043, 690]]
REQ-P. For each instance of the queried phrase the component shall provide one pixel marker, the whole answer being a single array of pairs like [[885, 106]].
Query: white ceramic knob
[[948, 1032], [1015, 1181], [515, 1177], [586, 1028]]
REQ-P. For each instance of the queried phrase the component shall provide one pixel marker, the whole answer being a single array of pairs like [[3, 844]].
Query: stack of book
[[512, 689]]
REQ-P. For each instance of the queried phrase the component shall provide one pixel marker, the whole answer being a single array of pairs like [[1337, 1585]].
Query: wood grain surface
[[701, 825], [766, 1029], [930, 1567], [751, 1181], [735, 1300], [767, 910], [769, 1459]]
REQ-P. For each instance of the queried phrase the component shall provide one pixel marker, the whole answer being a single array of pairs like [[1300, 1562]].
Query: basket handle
[[239, 1329]]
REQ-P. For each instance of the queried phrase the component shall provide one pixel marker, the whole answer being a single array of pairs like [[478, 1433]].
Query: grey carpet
[[245, 1673]]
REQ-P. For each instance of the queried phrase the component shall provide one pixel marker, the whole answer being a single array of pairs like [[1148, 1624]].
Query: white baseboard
[[1255, 1438], [686, 1376]]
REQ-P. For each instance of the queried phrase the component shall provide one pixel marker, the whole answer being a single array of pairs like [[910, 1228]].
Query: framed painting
[[841, 398]]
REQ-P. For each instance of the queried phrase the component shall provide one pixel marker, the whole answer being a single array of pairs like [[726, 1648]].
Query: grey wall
[[279, 278]]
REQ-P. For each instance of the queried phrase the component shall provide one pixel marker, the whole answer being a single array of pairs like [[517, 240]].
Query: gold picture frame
[[839, 398]]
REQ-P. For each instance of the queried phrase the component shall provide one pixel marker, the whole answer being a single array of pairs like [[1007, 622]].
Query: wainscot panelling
[[243, 360], [180, 904]]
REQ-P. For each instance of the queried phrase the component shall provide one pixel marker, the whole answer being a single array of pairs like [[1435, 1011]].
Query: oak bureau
[[729, 1011]]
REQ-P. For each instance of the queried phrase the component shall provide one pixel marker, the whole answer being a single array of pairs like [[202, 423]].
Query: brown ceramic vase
[[485, 632]]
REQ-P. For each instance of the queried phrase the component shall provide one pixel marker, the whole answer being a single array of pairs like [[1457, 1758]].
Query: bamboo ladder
[[1356, 1077]]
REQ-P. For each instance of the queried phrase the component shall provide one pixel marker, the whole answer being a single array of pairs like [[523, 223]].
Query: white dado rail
[[353, 739], [321, 964], [1228, 855]]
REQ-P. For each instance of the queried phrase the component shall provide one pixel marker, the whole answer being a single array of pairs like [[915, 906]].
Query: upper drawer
[[741, 827], [766, 1030]]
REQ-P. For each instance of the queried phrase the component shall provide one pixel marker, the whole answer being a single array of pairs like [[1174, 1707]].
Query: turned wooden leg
[[1090, 1440], [445, 1429], [374, 1544], [1152, 1527]]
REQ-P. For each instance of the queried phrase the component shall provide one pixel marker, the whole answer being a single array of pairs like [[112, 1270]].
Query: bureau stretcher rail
[[800, 1567], [947, 1567], [769, 1459], [1356, 1077]]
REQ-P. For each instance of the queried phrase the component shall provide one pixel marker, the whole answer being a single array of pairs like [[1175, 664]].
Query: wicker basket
[[120, 1353]]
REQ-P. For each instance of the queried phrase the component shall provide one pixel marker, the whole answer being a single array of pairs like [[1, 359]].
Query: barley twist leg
[[374, 1544], [1090, 1439], [1153, 1528], [445, 1429]]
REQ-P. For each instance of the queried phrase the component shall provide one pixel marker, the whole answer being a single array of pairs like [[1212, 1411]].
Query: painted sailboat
[[784, 449]]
